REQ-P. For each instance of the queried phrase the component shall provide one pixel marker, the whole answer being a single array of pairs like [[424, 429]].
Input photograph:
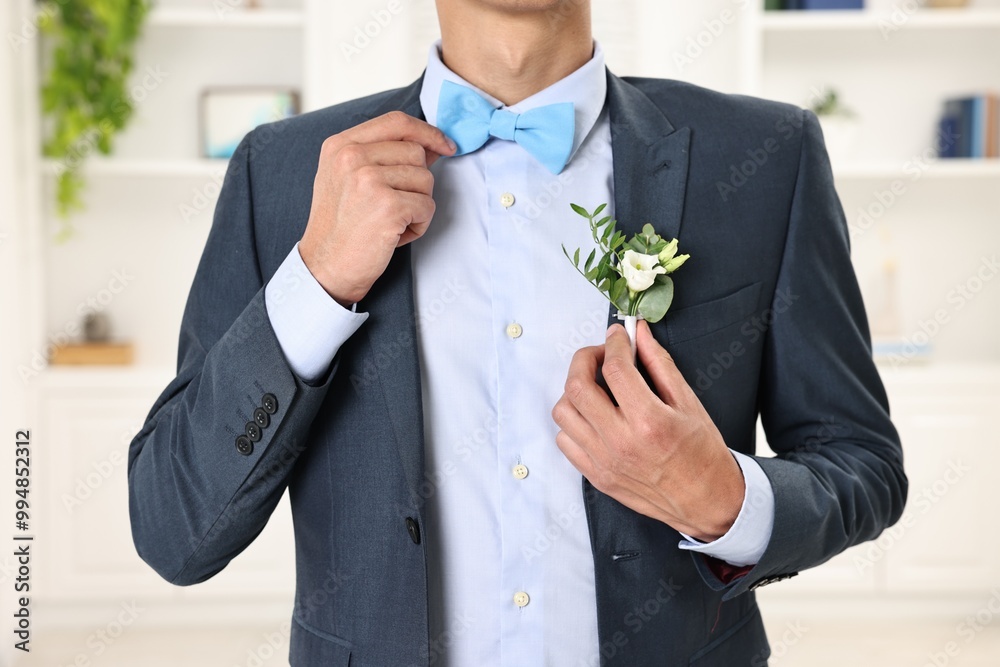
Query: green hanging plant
[[85, 94]]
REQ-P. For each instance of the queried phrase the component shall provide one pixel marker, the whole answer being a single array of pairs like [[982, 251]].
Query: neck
[[514, 53]]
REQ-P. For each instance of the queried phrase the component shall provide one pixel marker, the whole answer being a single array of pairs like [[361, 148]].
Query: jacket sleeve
[[837, 476], [198, 494]]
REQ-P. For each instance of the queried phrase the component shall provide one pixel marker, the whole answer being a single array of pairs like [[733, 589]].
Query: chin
[[529, 5]]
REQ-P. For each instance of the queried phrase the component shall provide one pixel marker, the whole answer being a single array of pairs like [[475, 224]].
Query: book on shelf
[[970, 127], [822, 5]]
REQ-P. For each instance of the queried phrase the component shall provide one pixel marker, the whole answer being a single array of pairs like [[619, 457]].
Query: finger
[[403, 209], [398, 126], [413, 232], [666, 377], [432, 157], [416, 213], [586, 395], [406, 178], [624, 380], [576, 455], [576, 426], [388, 153]]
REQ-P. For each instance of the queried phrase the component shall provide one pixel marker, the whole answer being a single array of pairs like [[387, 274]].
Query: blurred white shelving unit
[[139, 167], [937, 223], [133, 228], [922, 19], [227, 17], [941, 169], [136, 222]]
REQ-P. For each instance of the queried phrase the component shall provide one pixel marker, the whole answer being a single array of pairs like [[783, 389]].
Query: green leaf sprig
[[634, 275]]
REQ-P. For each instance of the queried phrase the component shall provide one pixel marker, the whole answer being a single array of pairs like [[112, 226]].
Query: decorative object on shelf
[[633, 275], [85, 93], [227, 114], [97, 347], [970, 127], [96, 328], [889, 343], [839, 123]]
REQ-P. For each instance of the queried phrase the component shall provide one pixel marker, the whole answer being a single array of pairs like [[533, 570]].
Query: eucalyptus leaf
[[656, 300], [657, 247], [637, 245]]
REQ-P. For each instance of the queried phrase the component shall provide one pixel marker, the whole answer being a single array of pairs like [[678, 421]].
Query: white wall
[[12, 405]]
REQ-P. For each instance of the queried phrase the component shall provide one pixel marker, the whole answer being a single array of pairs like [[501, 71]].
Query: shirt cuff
[[747, 538], [309, 324]]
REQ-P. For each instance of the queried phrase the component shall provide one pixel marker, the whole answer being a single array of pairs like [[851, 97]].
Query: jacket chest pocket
[[710, 316]]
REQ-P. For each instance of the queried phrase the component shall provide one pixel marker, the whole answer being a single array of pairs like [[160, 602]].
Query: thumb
[[659, 365]]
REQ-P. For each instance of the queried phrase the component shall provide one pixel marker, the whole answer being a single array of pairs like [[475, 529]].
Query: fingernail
[[454, 146]]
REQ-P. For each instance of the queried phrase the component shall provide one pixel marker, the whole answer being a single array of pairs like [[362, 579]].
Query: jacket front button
[[244, 446], [413, 529]]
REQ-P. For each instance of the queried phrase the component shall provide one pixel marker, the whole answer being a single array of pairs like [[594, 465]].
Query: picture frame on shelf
[[227, 113]]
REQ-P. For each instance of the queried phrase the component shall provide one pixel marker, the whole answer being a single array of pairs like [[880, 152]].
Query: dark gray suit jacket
[[769, 320]]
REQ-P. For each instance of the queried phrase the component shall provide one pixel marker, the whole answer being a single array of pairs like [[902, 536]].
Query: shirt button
[[521, 599], [514, 330], [520, 471], [507, 200]]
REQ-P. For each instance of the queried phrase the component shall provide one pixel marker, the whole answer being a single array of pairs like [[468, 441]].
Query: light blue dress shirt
[[500, 312]]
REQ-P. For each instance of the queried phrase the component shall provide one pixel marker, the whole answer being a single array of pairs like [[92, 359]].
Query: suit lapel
[[650, 160], [392, 335]]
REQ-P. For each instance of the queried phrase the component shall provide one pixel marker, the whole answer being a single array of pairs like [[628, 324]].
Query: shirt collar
[[586, 88]]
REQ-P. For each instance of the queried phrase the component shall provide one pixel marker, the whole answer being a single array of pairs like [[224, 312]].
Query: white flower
[[668, 252], [640, 270], [675, 263]]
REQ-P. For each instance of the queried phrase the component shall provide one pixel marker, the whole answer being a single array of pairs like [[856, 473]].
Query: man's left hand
[[658, 453]]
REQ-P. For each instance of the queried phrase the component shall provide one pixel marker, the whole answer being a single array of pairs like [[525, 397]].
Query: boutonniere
[[634, 275]]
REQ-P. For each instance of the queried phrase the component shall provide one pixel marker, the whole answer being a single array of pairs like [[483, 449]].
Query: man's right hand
[[371, 195]]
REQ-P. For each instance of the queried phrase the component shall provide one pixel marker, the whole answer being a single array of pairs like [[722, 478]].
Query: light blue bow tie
[[469, 119]]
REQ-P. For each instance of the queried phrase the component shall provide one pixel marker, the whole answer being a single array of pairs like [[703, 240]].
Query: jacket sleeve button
[[270, 403], [253, 431], [413, 529], [261, 418], [244, 446]]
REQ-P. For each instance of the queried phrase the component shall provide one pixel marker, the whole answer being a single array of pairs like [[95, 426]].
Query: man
[[395, 345]]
